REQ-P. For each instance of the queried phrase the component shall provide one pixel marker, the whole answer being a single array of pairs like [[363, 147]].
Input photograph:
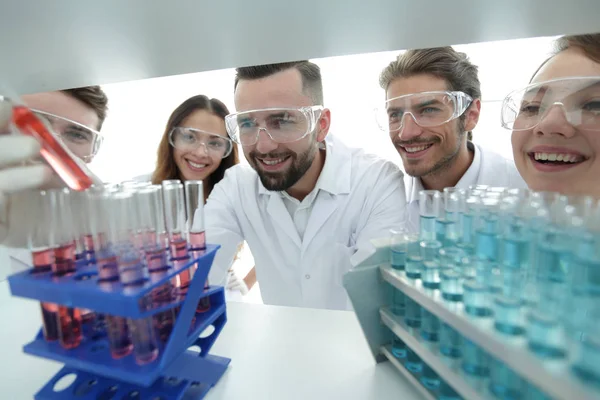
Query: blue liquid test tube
[[412, 313], [514, 244], [430, 277], [451, 276], [413, 362], [414, 262], [586, 285], [398, 348], [504, 383], [545, 330], [448, 227], [469, 206], [450, 342], [430, 326], [430, 379], [398, 248], [133, 272], [446, 392], [430, 208], [475, 362], [476, 294]]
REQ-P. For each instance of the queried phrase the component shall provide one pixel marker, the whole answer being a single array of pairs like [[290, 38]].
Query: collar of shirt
[[335, 176], [469, 177]]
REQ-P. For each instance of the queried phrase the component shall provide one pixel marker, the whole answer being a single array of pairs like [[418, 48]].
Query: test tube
[[430, 276], [413, 362], [450, 342], [40, 208], [149, 204], [451, 276], [545, 331], [475, 362], [414, 262], [514, 245], [175, 219], [430, 326], [194, 200], [449, 227], [430, 379], [117, 329], [430, 202], [398, 348], [469, 206], [52, 149], [398, 247], [133, 273], [504, 383], [69, 319]]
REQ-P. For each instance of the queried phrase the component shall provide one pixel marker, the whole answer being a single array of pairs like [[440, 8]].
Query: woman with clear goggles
[[555, 120], [195, 146]]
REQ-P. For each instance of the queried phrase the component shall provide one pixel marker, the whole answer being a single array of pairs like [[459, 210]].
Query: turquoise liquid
[[545, 335], [398, 302], [430, 277], [467, 230], [430, 326], [508, 315], [486, 245], [447, 232], [475, 361], [587, 362], [450, 341], [398, 259], [414, 266], [476, 298], [504, 383], [398, 348], [413, 362], [427, 228], [451, 284], [430, 379], [447, 393], [412, 314]]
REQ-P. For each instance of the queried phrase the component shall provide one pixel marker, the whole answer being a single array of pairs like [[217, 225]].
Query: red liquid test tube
[[53, 150]]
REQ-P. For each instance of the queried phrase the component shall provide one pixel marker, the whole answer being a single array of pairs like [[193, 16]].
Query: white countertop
[[277, 353]]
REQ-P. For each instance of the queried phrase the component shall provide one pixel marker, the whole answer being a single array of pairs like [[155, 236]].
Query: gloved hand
[[234, 282], [16, 177]]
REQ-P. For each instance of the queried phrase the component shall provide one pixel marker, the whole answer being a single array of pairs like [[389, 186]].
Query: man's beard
[[280, 181]]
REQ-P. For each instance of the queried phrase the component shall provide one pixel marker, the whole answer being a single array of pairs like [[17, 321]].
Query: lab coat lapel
[[281, 217], [325, 205]]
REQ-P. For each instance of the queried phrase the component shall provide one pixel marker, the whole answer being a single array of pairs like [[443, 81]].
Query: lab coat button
[[307, 276]]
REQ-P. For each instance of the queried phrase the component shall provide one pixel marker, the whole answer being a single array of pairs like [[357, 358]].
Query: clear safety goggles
[[577, 97], [283, 125], [190, 139], [84, 142], [427, 109]]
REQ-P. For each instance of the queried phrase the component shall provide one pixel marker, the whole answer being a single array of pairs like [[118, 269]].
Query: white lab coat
[[359, 198], [488, 168]]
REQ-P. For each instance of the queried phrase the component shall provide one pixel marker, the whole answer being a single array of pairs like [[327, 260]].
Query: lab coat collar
[[469, 178], [335, 177]]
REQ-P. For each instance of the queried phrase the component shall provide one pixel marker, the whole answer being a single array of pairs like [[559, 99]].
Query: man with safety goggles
[[309, 203], [432, 105], [76, 116]]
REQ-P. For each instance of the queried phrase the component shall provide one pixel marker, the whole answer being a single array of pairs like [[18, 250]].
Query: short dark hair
[[312, 83], [93, 97], [443, 62], [589, 44]]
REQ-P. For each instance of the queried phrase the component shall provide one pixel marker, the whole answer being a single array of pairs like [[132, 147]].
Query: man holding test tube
[[308, 206], [432, 105], [76, 116]]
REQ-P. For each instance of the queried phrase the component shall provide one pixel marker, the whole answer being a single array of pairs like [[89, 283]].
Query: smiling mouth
[[195, 165], [416, 148], [556, 158], [272, 162]]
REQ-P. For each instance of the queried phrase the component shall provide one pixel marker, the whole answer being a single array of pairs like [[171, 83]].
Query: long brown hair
[[166, 168]]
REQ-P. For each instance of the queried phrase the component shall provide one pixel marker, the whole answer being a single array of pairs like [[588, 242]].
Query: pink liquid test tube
[[52, 149], [69, 319], [194, 200], [40, 242], [133, 273], [151, 211]]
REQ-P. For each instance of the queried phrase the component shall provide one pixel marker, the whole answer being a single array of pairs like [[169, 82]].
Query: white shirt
[[487, 168], [358, 197]]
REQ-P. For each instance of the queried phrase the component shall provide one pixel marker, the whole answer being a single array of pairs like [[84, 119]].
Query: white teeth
[[273, 162], [568, 158], [414, 149], [195, 165]]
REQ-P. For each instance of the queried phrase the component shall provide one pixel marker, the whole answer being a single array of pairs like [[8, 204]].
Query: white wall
[[139, 110]]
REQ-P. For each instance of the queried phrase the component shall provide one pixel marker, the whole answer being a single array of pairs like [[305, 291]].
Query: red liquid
[[88, 243], [163, 295], [52, 150], [178, 247], [108, 268], [204, 303], [145, 347], [69, 327], [69, 319], [156, 259], [118, 336], [198, 240], [42, 262]]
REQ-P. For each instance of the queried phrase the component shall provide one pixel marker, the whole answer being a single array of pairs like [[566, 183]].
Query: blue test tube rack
[[178, 371]]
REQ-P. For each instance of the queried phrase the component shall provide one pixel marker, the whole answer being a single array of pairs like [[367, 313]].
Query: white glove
[[16, 177], [234, 282]]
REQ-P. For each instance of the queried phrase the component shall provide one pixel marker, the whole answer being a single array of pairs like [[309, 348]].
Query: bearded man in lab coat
[[432, 105], [308, 206]]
